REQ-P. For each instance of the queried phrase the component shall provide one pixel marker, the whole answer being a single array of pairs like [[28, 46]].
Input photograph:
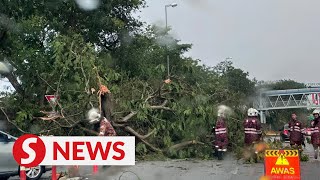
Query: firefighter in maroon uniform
[[296, 132], [315, 134], [252, 127], [221, 136], [252, 134], [106, 128]]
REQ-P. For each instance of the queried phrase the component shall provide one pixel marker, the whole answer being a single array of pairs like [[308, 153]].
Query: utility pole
[[166, 16]]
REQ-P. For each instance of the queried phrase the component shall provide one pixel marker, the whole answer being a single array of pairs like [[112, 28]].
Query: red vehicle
[[284, 134], [308, 131]]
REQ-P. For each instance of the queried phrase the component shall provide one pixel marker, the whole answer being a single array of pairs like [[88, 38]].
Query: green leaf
[[187, 112]]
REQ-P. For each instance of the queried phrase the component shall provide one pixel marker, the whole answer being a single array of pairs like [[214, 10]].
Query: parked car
[[8, 166], [284, 134], [308, 131]]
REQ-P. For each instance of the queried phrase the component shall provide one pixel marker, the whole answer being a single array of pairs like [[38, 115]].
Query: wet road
[[228, 169]]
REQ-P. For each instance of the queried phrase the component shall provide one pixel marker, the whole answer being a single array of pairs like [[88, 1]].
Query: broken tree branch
[[50, 118], [70, 126], [11, 121], [162, 106], [47, 131], [132, 131], [184, 144], [141, 137], [48, 84], [149, 97], [149, 134], [87, 81], [126, 118], [151, 146], [117, 125]]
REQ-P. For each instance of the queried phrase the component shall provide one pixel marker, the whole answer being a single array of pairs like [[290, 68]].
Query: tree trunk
[[106, 106], [42, 97], [14, 82], [2, 35]]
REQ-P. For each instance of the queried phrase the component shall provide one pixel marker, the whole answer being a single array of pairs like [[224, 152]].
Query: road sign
[[282, 164], [52, 99]]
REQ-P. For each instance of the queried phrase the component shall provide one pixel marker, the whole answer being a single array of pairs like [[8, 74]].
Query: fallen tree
[[72, 58]]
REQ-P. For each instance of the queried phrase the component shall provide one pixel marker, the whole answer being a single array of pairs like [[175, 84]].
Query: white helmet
[[93, 116], [252, 112], [221, 113], [316, 111]]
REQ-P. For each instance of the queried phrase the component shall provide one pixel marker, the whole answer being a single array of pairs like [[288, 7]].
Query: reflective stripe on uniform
[[250, 132], [220, 129], [315, 130], [221, 132], [250, 129]]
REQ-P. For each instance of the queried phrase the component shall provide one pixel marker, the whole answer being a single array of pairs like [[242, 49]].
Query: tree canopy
[[57, 48]]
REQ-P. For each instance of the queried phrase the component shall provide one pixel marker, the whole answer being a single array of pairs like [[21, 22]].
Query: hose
[[128, 172]]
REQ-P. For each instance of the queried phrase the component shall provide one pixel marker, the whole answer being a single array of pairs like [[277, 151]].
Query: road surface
[[228, 169]]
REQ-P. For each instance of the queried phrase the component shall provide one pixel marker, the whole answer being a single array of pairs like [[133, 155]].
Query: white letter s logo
[[26, 148]]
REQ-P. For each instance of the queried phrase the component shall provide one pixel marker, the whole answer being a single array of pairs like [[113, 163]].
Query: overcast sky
[[271, 39]]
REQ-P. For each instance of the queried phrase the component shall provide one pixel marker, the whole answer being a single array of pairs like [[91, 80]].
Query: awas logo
[[282, 164], [31, 150]]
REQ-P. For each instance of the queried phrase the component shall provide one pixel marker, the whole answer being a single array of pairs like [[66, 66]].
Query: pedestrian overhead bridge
[[287, 99]]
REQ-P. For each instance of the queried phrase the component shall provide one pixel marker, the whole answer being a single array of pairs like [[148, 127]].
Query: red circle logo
[[29, 150]]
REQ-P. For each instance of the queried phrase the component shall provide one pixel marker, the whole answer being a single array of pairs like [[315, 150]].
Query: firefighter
[[315, 126], [252, 127], [106, 128], [221, 136], [252, 134], [296, 132]]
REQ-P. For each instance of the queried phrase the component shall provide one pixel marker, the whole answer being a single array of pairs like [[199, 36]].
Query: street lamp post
[[168, 58]]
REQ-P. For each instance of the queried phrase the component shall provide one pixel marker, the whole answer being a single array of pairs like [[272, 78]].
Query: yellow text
[[281, 170]]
